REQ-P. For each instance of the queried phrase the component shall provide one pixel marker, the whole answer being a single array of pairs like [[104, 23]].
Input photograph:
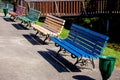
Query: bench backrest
[[20, 10], [87, 40], [33, 14], [55, 23]]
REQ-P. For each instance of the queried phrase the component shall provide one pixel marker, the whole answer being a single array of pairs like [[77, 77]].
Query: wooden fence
[[103, 7], [75, 7], [59, 8]]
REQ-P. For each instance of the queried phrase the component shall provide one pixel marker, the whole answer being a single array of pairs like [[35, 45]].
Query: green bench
[[32, 17]]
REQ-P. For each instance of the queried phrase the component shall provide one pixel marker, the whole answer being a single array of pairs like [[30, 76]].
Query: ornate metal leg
[[59, 51], [21, 22], [36, 33], [56, 45], [14, 18], [47, 36], [11, 16], [64, 51], [27, 24], [92, 61], [84, 62], [78, 60]]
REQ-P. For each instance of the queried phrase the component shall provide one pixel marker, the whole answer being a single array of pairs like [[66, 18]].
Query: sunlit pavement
[[24, 57]]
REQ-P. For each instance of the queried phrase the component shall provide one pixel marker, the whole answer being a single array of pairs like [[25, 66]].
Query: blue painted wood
[[83, 42], [92, 43], [87, 40], [72, 49]]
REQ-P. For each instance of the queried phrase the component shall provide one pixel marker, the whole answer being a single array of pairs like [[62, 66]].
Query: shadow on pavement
[[59, 63], [8, 19], [20, 27], [82, 77], [34, 40]]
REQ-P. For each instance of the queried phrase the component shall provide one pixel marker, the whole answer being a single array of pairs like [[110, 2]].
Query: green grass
[[64, 33], [39, 23], [113, 53]]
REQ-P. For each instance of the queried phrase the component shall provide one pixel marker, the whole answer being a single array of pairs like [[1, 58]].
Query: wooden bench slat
[[49, 22], [56, 18], [104, 37], [50, 29], [54, 27], [84, 46], [88, 39], [69, 47], [37, 27], [53, 24], [81, 39], [87, 35]]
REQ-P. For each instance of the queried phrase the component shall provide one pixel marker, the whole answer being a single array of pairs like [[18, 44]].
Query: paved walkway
[[24, 57]]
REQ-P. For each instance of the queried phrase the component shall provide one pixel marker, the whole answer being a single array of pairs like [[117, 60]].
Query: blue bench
[[83, 44], [32, 17]]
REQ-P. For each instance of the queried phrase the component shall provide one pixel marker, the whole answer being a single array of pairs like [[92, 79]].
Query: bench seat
[[44, 30], [25, 19], [72, 49]]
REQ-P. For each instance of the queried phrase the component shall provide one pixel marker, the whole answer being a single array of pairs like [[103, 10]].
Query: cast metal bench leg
[[14, 18], [78, 60], [22, 22], [28, 24], [11, 16], [56, 45], [36, 33], [59, 51], [93, 64], [47, 36]]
